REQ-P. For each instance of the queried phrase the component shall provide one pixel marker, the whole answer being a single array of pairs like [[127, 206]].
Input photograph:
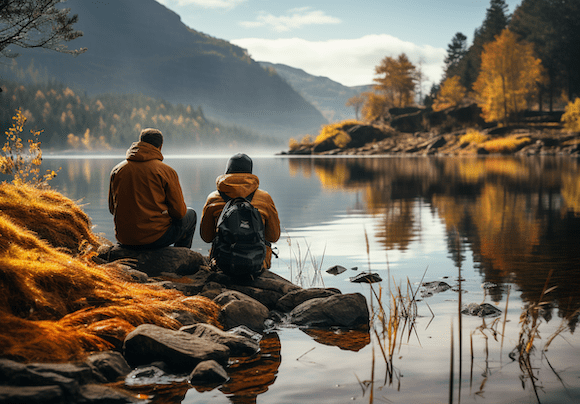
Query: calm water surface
[[504, 231]]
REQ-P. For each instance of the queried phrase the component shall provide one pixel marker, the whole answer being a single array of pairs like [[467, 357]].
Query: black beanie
[[151, 136], [239, 163]]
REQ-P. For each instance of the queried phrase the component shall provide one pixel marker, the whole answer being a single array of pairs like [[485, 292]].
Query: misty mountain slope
[[328, 96], [139, 46]]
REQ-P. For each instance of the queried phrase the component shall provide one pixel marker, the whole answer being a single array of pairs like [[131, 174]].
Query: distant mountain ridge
[[328, 96], [140, 46]]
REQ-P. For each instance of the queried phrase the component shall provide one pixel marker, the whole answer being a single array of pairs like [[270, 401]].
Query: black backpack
[[239, 247]]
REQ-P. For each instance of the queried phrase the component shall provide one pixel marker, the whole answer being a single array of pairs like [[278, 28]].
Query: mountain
[[328, 96], [140, 46]]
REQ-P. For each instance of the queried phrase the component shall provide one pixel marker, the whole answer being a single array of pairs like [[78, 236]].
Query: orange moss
[[58, 307]]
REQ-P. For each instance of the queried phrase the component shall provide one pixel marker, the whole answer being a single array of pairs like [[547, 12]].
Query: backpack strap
[[226, 198]]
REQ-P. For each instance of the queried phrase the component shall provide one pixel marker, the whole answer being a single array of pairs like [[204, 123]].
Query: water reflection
[[518, 216]]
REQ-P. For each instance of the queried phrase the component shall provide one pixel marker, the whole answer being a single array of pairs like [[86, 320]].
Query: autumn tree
[[396, 80], [450, 94], [375, 106], [509, 73], [553, 27], [36, 24], [496, 20], [356, 102]]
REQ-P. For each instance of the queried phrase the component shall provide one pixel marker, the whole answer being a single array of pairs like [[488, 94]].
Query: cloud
[[224, 4], [296, 18], [348, 61]]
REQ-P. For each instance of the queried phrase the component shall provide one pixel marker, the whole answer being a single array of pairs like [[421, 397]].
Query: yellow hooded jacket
[[144, 196], [234, 185]]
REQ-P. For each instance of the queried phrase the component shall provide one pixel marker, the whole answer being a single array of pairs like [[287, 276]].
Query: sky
[[340, 39]]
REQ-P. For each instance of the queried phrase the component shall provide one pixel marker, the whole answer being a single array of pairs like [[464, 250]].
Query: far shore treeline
[[71, 120]]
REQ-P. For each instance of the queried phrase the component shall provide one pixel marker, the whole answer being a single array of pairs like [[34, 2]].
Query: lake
[[497, 230]]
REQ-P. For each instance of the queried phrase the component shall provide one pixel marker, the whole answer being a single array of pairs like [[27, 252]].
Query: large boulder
[[181, 351], [248, 312], [178, 260], [348, 311]]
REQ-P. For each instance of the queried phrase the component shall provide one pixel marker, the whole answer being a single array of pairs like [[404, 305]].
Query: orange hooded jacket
[[234, 185], [144, 196]]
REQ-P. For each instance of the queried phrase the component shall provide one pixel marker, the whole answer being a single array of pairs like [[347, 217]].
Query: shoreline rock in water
[[197, 353]]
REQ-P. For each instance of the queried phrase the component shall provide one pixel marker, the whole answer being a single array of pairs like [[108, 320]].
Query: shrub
[[506, 144], [336, 132], [473, 136], [23, 164], [571, 117]]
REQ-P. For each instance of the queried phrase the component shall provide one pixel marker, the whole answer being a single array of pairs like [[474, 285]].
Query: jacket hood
[[238, 184], [143, 151]]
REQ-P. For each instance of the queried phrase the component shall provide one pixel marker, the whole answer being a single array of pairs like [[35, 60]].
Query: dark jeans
[[180, 234]]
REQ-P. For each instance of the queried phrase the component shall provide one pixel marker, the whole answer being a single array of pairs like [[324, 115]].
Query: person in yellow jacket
[[146, 199], [238, 180]]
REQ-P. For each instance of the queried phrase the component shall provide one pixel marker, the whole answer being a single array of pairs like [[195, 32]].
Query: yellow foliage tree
[[508, 76], [375, 106], [397, 79], [450, 94], [571, 117]]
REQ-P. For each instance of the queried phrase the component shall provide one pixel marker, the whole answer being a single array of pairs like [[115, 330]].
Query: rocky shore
[[197, 354], [422, 132]]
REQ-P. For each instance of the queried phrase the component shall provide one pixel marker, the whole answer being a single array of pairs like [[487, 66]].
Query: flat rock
[[182, 351], [348, 310], [290, 300], [179, 260], [238, 345], [366, 277]]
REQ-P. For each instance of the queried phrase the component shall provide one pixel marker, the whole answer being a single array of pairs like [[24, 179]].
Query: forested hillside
[[73, 120], [141, 47]]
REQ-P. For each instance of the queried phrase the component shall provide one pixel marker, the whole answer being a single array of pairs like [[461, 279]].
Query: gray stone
[[248, 312], [31, 394], [349, 311], [179, 350], [152, 375], [179, 260], [430, 288], [481, 310], [239, 345], [99, 394], [296, 297], [208, 372], [112, 365]]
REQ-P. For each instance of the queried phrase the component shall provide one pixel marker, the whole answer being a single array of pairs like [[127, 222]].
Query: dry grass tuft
[[59, 307], [50, 215]]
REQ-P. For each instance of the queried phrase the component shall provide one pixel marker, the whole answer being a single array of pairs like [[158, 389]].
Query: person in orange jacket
[[238, 180], [146, 199]]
